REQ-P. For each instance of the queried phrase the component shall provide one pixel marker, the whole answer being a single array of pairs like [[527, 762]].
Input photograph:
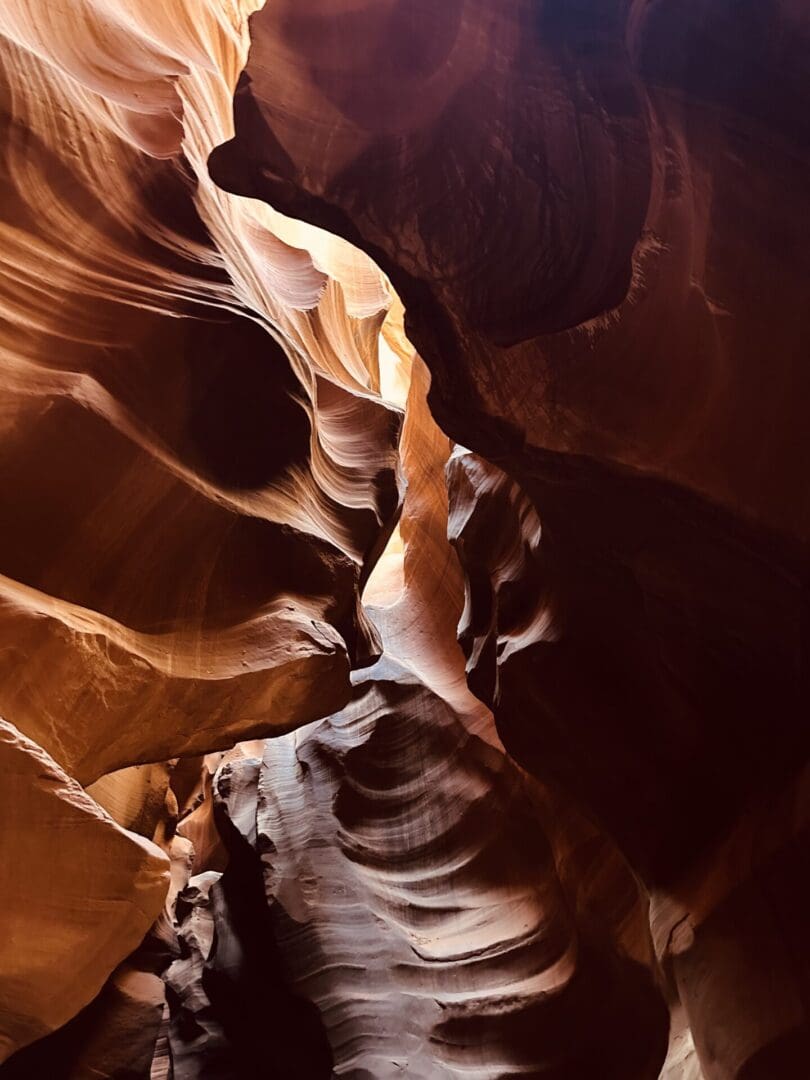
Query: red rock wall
[[488, 314]]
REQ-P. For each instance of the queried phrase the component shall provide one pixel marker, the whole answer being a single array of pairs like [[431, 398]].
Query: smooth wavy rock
[[65, 928], [572, 233], [413, 898], [112, 1038], [578, 176], [597, 218], [724, 906], [446, 915], [671, 536], [172, 553], [192, 438]]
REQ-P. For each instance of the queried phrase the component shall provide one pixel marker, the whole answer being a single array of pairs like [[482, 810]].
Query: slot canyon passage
[[403, 567]]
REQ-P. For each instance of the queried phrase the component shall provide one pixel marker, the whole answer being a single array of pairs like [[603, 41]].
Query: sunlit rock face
[[198, 464], [403, 596], [444, 913], [597, 218], [412, 895], [192, 520]]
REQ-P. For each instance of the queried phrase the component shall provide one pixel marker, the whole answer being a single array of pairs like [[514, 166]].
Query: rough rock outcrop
[[233, 1012]]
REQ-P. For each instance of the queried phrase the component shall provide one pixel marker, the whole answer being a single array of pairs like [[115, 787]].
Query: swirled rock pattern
[[730, 915], [207, 559], [626, 346], [415, 901], [201, 467], [447, 915], [530, 273]]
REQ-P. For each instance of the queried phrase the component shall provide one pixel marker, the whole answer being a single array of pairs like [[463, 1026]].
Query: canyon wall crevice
[[403, 591]]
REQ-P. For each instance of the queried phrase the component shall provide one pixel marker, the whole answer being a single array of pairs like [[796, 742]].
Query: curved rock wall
[[478, 313], [627, 348], [200, 466]]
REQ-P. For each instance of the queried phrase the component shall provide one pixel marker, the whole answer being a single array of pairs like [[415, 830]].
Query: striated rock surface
[[445, 914], [416, 899], [201, 467], [173, 412], [530, 272], [597, 218], [730, 917]]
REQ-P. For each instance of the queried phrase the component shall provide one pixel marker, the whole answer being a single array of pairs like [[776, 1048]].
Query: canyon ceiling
[[404, 603]]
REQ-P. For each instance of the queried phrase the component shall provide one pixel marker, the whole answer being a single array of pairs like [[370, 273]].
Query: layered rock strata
[[218, 431], [201, 467], [601, 238]]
